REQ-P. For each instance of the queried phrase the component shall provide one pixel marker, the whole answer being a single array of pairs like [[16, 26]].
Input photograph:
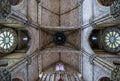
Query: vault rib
[[49, 10]]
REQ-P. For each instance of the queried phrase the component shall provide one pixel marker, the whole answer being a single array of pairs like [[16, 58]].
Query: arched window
[[60, 67], [16, 79], [104, 79], [94, 39], [23, 39], [106, 2]]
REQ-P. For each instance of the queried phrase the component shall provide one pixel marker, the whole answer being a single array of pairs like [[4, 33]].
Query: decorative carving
[[28, 22], [111, 39], [91, 22], [59, 38], [5, 8], [5, 75], [91, 58], [115, 75], [115, 9], [8, 40], [29, 60]]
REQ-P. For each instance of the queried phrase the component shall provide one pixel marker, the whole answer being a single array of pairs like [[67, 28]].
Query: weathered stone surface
[[87, 10], [49, 58], [99, 73], [87, 69], [32, 10], [53, 5], [48, 18]]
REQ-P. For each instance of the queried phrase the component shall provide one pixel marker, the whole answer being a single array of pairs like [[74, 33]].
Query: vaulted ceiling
[[57, 17], [56, 13]]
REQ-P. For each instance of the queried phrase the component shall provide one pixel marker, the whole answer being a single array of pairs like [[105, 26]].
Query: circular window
[[15, 2], [111, 40], [106, 2], [8, 40], [59, 38]]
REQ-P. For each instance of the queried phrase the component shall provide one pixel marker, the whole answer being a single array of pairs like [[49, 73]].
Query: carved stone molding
[[29, 20], [92, 22], [91, 58], [5, 8], [115, 75], [5, 75], [29, 23], [29, 60], [115, 9]]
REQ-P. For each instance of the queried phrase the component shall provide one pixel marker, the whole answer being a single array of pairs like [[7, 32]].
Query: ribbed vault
[[55, 16]]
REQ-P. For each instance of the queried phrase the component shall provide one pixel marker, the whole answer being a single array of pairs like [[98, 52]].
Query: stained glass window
[[60, 67], [8, 40], [111, 39]]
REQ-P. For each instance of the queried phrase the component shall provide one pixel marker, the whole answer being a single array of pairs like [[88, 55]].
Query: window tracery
[[8, 40]]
